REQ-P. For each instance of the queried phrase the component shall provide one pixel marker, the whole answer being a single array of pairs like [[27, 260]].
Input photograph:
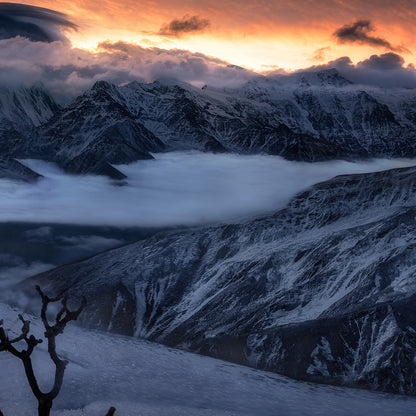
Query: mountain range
[[309, 116]]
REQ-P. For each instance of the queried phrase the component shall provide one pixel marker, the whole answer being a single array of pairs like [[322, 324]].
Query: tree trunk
[[45, 406]]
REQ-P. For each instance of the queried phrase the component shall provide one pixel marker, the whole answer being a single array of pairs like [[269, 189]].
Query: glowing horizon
[[261, 35]]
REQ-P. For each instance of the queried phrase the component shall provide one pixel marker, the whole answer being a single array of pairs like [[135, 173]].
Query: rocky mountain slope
[[323, 290], [22, 110]]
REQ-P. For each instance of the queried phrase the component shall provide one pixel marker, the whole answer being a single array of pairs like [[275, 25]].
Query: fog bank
[[178, 188]]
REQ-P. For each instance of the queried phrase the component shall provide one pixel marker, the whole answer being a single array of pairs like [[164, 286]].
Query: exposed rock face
[[322, 290]]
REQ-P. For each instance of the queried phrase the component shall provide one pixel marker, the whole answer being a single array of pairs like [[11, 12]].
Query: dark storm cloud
[[387, 70], [359, 32], [35, 23], [188, 24], [386, 61]]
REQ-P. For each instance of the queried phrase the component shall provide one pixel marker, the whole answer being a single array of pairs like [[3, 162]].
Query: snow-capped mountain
[[323, 290], [307, 116], [95, 131]]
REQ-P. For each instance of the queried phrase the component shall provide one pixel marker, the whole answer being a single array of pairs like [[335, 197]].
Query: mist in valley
[[174, 189]]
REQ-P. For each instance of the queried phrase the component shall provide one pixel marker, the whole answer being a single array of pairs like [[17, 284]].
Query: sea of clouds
[[178, 188]]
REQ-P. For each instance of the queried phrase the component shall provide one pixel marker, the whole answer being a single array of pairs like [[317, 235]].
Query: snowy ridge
[[340, 257]]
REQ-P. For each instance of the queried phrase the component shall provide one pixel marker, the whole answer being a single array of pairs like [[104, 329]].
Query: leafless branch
[[63, 317]]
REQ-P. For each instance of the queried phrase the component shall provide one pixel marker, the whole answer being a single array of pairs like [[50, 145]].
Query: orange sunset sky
[[261, 35]]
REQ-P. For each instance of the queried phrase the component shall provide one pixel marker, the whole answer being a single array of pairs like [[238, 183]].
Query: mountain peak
[[101, 84], [102, 91], [332, 77], [104, 86], [324, 78]]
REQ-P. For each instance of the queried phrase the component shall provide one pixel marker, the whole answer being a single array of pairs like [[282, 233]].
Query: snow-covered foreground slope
[[145, 379]]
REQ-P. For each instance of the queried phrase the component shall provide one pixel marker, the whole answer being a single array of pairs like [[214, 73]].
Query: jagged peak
[[103, 89], [133, 84], [102, 86], [330, 77], [333, 77], [159, 86]]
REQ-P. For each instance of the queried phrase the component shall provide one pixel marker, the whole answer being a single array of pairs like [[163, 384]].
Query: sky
[[69, 45], [262, 35]]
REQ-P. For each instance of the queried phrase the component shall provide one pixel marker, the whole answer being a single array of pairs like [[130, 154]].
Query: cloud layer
[[67, 71], [387, 70], [181, 188]]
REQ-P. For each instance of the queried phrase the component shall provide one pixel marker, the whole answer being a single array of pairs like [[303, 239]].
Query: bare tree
[[64, 316]]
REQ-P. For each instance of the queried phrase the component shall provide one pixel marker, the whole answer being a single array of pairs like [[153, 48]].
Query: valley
[[270, 225]]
